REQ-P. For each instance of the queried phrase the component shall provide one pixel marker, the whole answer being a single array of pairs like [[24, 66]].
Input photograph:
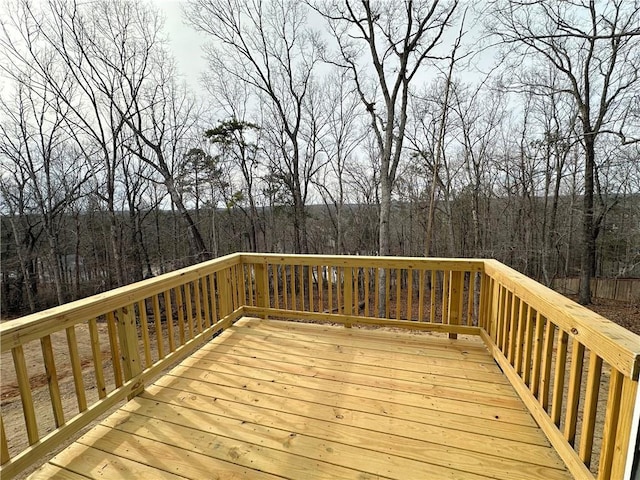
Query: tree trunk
[[588, 254]]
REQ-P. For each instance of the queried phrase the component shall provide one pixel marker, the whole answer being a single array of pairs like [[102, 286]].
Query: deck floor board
[[270, 399]]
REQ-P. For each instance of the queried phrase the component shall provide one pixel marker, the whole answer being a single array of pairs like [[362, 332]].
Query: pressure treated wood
[[271, 399]]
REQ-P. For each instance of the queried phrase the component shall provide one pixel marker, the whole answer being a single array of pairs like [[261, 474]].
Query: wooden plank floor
[[270, 399]]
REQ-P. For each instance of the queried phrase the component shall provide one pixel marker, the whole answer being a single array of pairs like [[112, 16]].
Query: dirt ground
[[625, 314]]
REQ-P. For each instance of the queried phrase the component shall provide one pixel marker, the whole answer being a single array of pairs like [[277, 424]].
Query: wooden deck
[[272, 399]]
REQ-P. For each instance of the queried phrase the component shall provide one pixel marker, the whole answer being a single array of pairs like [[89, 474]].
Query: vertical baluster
[[410, 294], [113, 348], [4, 447], [97, 358], [514, 321], [547, 356], [250, 274], [387, 297], [213, 297], [301, 283], [432, 311], [445, 297], [356, 290], [519, 340], [558, 379], [455, 300], [285, 288], [189, 305], [168, 311], [241, 286], [52, 379], [506, 317], [180, 308], [610, 425], [421, 296], [537, 354], [25, 394], [470, 293], [528, 346], [348, 293], [330, 287], [198, 304], [573, 395], [276, 286], [144, 328], [367, 279], [625, 424], [339, 289], [376, 292], [590, 408], [320, 270], [310, 287], [294, 295], [398, 273], [157, 320]]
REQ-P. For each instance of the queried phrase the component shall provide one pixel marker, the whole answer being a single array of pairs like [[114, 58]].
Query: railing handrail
[[428, 263], [615, 344], [36, 325]]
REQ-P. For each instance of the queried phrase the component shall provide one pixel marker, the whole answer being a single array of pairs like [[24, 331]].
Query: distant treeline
[[155, 241]]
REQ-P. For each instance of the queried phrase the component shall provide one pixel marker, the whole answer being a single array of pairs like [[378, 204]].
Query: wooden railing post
[[223, 279], [128, 338], [262, 285], [455, 300]]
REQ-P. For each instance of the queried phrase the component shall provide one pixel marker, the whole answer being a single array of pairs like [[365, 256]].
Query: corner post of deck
[[455, 300], [128, 338], [262, 285], [626, 429]]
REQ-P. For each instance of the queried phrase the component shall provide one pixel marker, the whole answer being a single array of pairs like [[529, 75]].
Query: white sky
[[186, 43]]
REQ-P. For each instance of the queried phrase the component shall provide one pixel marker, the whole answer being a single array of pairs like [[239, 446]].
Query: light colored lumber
[[625, 426], [100, 464], [338, 361], [52, 379], [610, 425], [144, 328], [577, 468], [76, 368], [573, 394], [96, 354], [37, 325], [374, 376], [615, 344], [291, 386], [558, 377], [53, 472], [227, 458], [399, 419], [349, 447], [379, 432], [22, 376], [113, 348], [342, 319], [590, 408]]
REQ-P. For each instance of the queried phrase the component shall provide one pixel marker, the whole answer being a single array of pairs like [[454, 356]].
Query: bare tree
[[594, 46], [269, 46], [398, 39]]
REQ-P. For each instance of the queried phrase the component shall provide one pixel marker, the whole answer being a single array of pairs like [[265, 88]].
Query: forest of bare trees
[[502, 129]]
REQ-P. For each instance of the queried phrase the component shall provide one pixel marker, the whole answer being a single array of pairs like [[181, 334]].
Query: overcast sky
[[186, 43]]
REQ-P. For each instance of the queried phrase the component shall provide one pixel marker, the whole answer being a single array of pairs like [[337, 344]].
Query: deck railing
[[576, 371]]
